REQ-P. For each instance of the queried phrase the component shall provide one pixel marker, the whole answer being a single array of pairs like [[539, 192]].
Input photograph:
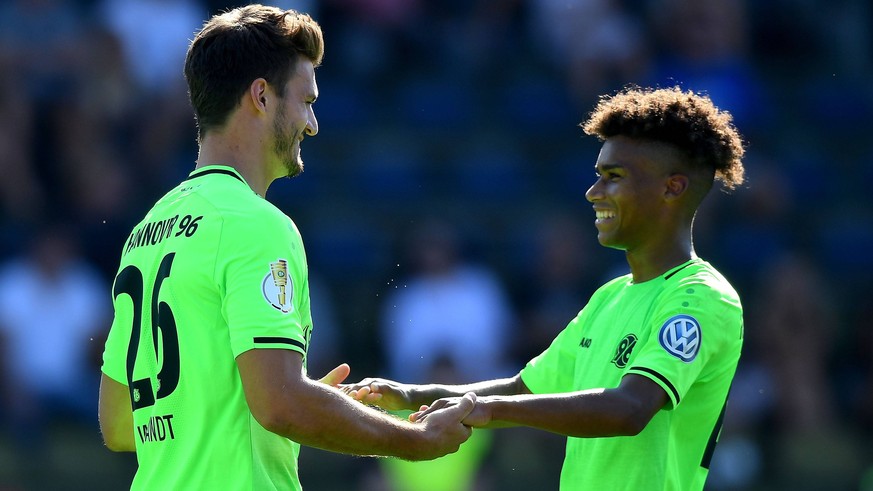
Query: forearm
[[591, 413], [320, 416], [425, 394]]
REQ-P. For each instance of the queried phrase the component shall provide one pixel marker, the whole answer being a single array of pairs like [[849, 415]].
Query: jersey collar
[[669, 273], [217, 169]]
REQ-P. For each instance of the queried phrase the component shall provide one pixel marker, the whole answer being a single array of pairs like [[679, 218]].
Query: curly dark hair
[[238, 46], [685, 119]]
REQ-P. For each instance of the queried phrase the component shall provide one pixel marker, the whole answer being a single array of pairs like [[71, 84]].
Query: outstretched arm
[[622, 411], [287, 402], [393, 396]]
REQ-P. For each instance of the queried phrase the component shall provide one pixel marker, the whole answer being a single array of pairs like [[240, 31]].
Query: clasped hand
[[393, 396], [478, 417]]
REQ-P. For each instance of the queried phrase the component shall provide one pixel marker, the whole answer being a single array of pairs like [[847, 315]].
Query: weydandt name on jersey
[[156, 231], [158, 429]]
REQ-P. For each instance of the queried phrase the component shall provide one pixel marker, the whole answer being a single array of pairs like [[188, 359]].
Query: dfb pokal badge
[[277, 287]]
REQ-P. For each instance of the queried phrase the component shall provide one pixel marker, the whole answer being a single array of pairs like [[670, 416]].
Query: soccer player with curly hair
[[639, 380]]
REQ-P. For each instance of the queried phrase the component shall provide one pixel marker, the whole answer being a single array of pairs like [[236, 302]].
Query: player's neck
[[215, 150], [647, 263]]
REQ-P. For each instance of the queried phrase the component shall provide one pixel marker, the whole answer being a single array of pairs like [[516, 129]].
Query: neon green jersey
[[213, 270], [683, 330]]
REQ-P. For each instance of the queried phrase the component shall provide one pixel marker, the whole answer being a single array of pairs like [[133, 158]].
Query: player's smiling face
[[295, 118], [628, 194]]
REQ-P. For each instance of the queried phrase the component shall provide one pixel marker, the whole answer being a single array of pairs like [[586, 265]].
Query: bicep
[[115, 415], [646, 396]]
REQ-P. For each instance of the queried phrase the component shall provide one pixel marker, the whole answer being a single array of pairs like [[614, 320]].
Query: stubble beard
[[284, 146]]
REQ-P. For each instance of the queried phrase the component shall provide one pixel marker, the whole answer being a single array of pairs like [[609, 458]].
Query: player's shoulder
[[703, 280], [218, 199], [703, 273], [697, 296], [224, 191], [254, 225], [250, 210]]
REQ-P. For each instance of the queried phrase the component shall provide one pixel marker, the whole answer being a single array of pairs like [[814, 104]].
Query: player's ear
[[676, 186], [257, 94]]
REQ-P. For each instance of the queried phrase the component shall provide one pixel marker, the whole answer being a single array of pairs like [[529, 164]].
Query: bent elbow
[[117, 437], [116, 444], [115, 447], [634, 425], [275, 419], [633, 420], [269, 419]]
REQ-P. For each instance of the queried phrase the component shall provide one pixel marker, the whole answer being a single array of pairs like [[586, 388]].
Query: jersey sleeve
[[262, 276], [553, 370], [693, 328]]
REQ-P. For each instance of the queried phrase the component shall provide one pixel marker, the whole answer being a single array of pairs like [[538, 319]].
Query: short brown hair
[[238, 46], [687, 120]]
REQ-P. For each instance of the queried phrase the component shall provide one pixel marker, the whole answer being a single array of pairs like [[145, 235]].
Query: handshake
[[395, 396], [442, 420]]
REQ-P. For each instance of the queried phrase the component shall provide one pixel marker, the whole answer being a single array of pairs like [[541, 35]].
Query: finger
[[426, 410], [360, 393], [349, 388], [468, 431], [371, 398], [467, 403], [378, 387], [418, 416], [439, 404], [464, 406], [337, 375]]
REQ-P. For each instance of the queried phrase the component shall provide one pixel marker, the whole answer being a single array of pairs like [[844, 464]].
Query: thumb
[[466, 404], [337, 375]]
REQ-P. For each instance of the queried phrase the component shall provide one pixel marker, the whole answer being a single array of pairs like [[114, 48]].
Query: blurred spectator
[[373, 37], [40, 42], [561, 277], [597, 43], [794, 328], [88, 160], [22, 195], [704, 47], [54, 311], [155, 35], [446, 308]]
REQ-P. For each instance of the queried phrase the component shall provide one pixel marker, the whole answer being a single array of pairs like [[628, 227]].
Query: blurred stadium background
[[449, 168]]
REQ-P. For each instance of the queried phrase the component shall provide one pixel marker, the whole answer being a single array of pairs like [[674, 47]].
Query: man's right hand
[[444, 429], [387, 394]]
